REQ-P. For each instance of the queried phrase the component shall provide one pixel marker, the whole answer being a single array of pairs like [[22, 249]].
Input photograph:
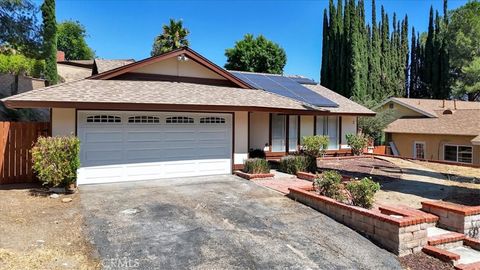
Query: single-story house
[[178, 114], [446, 130]]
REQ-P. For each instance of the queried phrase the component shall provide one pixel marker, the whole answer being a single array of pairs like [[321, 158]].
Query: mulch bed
[[421, 261]]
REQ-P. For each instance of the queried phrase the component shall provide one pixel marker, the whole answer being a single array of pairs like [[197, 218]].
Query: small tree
[[329, 184], [363, 191], [314, 145], [174, 36], [373, 126], [256, 55], [357, 143]]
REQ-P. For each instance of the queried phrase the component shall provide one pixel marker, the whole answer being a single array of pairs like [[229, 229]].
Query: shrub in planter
[[314, 145], [329, 184], [56, 160], [256, 166], [256, 153], [298, 163], [362, 192], [357, 143]]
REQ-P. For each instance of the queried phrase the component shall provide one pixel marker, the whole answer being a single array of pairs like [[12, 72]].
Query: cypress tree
[[325, 49], [429, 56], [49, 32]]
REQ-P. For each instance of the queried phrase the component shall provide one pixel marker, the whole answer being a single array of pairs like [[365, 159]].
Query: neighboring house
[[178, 114], [447, 130]]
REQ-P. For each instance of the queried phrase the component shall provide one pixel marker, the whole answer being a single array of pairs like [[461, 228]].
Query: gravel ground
[[38, 232], [422, 261]]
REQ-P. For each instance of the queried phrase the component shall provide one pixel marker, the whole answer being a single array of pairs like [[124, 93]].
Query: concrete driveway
[[220, 222]]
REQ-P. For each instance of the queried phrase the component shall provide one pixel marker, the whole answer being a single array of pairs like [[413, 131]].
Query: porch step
[[444, 239], [467, 255]]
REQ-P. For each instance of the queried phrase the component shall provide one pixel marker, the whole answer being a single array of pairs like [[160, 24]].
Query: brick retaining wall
[[460, 218], [401, 236]]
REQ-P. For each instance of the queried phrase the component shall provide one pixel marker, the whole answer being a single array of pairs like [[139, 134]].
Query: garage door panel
[[103, 136], [128, 151]]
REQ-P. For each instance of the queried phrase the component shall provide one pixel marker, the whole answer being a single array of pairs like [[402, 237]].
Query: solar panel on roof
[[286, 87], [302, 80]]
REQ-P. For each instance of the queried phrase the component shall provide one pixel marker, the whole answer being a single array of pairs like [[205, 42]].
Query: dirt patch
[[421, 261], [379, 170], [39, 232], [454, 173]]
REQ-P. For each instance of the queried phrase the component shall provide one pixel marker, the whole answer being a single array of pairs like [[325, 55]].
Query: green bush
[[56, 160], [329, 184], [362, 192], [298, 163], [256, 165], [314, 145], [357, 143]]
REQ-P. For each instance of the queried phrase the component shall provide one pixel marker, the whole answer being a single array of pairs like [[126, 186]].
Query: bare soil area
[[453, 172], [39, 232]]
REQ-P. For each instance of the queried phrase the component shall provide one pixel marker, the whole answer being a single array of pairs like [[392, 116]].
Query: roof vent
[[448, 111]]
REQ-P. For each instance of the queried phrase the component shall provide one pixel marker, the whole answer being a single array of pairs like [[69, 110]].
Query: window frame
[[415, 154], [457, 147], [100, 117], [190, 120], [154, 119], [216, 120]]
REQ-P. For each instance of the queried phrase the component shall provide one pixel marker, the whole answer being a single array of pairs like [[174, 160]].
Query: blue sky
[[126, 29]]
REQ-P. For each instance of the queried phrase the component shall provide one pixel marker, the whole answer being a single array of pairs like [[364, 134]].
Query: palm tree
[[174, 36]]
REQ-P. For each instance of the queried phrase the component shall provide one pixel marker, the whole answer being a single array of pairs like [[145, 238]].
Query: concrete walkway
[[416, 184], [282, 181]]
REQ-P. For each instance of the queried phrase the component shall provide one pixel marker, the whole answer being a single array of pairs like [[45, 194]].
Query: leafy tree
[[174, 36], [19, 28], [373, 126], [71, 40], [256, 55], [50, 41], [464, 50]]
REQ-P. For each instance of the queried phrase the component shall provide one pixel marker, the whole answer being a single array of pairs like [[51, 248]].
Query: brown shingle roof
[[154, 92], [461, 122], [109, 64], [345, 105], [434, 107]]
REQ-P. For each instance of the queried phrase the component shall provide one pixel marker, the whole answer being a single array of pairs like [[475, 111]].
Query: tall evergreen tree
[[49, 32], [325, 49]]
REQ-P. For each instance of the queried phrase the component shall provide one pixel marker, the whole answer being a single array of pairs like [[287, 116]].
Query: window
[[212, 120], [390, 105], [292, 133], [144, 119], [328, 126], [457, 153], [179, 120], [419, 150], [279, 124], [103, 119]]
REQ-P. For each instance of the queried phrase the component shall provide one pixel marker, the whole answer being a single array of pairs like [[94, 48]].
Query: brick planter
[[306, 176], [249, 176], [454, 217], [402, 235]]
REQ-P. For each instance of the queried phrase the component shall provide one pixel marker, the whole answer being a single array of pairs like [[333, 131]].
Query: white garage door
[[128, 146]]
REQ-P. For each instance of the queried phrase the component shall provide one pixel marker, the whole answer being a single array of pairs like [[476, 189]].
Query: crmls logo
[[120, 263]]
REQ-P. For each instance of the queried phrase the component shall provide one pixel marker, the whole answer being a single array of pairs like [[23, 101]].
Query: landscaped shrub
[[329, 184], [357, 143], [314, 145], [256, 153], [298, 163], [363, 191], [256, 166], [56, 160]]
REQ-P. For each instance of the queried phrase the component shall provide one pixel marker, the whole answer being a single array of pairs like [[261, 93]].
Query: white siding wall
[[349, 126], [241, 137], [259, 129], [63, 122]]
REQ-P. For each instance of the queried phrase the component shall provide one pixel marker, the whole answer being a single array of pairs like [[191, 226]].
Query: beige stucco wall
[[241, 137], [400, 111], [174, 67], [306, 125], [259, 129], [63, 121], [433, 144], [349, 126]]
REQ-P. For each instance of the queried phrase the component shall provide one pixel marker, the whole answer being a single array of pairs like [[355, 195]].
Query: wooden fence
[[16, 141]]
